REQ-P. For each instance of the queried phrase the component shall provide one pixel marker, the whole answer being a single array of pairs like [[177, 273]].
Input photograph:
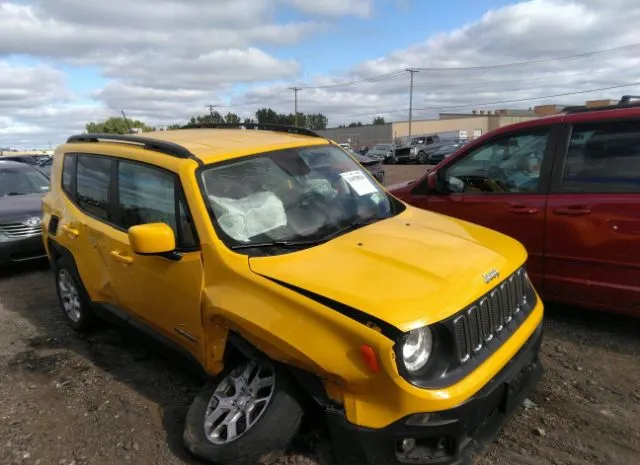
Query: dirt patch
[[112, 398]]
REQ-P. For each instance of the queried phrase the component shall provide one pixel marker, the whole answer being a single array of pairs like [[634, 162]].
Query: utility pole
[[211, 107], [126, 122], [411, 71], [295, 104]]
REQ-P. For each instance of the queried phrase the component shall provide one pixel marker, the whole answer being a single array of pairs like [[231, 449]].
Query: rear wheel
[[247, 415], [73, 297]]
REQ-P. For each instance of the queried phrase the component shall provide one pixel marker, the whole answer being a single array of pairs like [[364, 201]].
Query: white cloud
[[165, 59], [362, 8], [532, 30]]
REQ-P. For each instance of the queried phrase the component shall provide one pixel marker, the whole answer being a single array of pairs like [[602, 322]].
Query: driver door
[[502, 184]]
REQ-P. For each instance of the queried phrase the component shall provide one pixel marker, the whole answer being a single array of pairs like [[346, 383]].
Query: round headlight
[[416, 349]]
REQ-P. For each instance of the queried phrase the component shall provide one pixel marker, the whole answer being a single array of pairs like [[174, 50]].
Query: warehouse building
[[447, 125]]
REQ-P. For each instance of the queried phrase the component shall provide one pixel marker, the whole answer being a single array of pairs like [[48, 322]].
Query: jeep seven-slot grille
[[495, 314]]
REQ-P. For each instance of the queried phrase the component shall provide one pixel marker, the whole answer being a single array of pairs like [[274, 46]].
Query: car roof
[[582, 116], [211, 145], [14, 165]]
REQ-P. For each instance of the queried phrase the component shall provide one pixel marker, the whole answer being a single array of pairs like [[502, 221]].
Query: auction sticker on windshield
[[359, 182]]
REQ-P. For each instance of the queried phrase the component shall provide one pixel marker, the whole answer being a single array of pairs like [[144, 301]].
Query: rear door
[[593, 217], [502, 184]]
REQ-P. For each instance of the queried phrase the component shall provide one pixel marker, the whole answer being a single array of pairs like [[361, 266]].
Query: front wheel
[[422, 158], [245, 416]]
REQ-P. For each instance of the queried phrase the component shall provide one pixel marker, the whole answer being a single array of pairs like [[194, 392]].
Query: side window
[[603, 157], [509, 164], [68, 174], [148, 195], [92, 185]]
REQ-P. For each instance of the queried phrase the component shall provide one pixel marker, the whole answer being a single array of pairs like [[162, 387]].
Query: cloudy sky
[[64, 63]]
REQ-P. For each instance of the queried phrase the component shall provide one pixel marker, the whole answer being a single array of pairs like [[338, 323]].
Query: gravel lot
[[111, 398]]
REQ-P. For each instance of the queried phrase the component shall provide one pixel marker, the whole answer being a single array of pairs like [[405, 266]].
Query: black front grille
[[497, 313]]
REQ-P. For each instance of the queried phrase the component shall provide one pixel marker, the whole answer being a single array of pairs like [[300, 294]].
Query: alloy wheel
[[69, 296], [239, 401]]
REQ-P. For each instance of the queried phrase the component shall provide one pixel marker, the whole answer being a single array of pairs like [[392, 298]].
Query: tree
[[378, 120], [267, 116], [317, 121], [353, 125], [116, 125], [232, 118]]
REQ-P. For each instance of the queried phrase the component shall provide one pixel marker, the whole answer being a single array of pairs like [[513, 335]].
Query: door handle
[[127, 260], [70, 231], [522, 210], [572, 211]]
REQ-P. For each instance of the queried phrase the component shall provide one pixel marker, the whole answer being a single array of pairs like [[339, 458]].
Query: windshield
[[303, 194], [22, 182]]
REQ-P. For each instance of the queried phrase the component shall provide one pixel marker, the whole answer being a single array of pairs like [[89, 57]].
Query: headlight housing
[[416, 349]]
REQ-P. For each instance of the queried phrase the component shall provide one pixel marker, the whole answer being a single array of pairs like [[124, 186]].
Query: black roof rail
[[255, 126], [624, 102], [168, 148]]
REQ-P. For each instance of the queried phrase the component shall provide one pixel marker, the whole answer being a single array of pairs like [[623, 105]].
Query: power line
[[399, 72], [359, 81], [496, 103], [534, 62]]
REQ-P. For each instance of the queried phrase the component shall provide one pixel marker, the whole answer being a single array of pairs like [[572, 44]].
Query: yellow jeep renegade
[[272, 259]]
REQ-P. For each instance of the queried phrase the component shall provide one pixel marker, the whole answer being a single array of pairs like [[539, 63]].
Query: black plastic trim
[[359, 316], [468, 427], [255, 126], [156, 145]]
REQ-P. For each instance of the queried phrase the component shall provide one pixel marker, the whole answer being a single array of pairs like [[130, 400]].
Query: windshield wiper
[[309, 242], [284, 244]]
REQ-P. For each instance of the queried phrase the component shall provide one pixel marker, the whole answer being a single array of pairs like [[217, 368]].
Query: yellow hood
[[410, 270]]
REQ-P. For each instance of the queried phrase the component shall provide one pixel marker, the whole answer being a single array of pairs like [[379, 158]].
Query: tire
[[73, 297], [422, 158], [273, 426]]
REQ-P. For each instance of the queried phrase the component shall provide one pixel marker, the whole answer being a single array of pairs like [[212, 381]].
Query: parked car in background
[[345, 146], [567, 187], [383, 152], [41, 162], [441, 153], [417, 149], [45, 166], [21, 190], [271, 260], [374, 166]]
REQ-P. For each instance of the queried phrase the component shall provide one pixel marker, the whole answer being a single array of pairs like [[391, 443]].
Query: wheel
[[422, 158], [73, 297], [245, 416]]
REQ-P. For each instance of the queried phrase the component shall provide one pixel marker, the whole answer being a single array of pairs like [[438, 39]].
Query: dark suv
[[565, 186], [21, 190]]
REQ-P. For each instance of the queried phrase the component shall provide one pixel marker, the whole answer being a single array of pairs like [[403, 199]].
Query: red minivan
[[567, 187]]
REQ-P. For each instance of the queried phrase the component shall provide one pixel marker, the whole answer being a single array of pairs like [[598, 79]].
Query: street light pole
[[411, 71], [295, 104]]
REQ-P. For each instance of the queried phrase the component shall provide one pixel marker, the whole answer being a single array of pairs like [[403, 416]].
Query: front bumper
[[21, 250], [449, 437]]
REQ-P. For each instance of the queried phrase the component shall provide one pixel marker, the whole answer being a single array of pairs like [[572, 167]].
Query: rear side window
[[603, 157], [92, 185], [68, 174], [148, 195]]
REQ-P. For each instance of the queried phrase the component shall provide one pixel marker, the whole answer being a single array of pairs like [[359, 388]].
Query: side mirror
[[153, 239]]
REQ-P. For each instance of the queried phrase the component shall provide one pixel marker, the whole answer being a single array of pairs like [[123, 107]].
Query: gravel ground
[[111, 398]]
